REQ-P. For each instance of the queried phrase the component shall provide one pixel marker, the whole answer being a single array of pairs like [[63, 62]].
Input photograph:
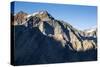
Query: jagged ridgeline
[[40, 38]]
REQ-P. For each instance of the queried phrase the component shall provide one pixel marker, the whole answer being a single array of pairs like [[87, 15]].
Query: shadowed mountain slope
[[41, 39]]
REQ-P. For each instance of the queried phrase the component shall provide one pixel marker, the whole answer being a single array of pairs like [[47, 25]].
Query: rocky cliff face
[[59, 30], [58, 38]]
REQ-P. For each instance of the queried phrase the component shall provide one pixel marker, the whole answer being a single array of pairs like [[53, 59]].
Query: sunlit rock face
[[55, 38], [59, 30], [19, 18]]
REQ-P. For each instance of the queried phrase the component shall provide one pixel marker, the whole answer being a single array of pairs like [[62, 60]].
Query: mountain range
[[40, 38]]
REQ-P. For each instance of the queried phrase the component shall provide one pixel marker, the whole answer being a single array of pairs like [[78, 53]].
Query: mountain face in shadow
[[41, 39]]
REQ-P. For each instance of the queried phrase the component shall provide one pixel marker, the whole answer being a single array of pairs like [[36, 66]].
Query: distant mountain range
[[40, 38]]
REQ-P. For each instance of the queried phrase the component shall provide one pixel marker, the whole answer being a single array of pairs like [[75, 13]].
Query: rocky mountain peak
[[40, 38], [43, 12], [43, 15], [21, 12], [58, 30], [19, 18]]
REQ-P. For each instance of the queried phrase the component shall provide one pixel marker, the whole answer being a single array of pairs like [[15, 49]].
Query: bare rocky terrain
[[40, 39]]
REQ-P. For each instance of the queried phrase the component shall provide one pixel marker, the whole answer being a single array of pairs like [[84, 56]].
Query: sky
[[79, 16]]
